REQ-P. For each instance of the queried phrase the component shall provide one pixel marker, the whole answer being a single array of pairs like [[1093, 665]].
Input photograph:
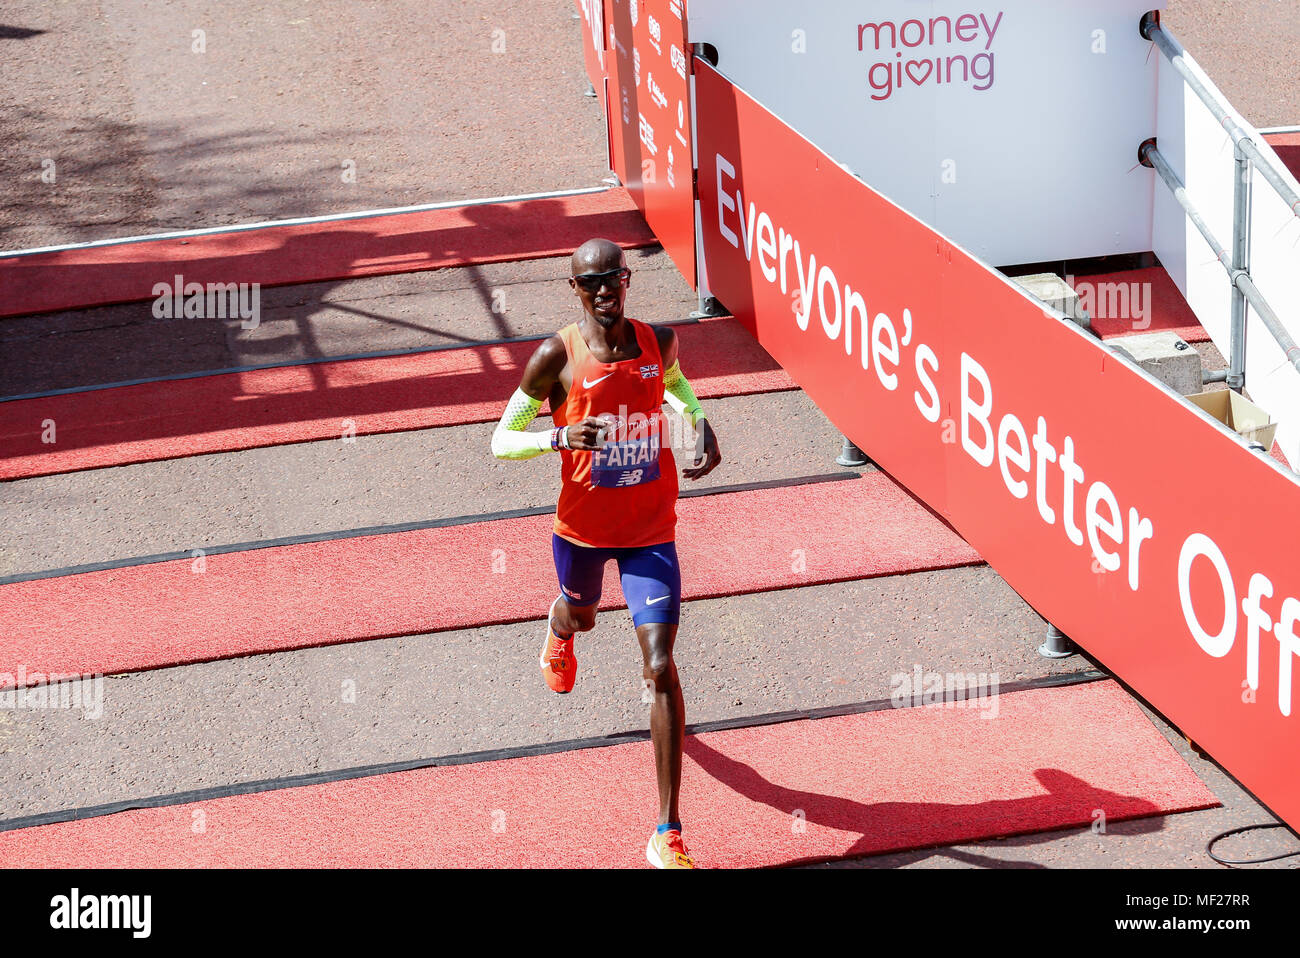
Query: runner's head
[[600, 280]]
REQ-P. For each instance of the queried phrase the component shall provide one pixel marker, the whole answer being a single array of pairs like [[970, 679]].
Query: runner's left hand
[[707, 455]]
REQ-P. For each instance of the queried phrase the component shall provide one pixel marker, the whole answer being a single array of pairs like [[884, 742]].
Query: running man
[[607, 377]]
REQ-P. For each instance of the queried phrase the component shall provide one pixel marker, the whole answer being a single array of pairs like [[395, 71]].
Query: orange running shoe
[[668, 850], [559, 664]]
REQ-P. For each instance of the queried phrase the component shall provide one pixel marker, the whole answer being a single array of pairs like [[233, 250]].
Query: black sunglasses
[[592, 282]]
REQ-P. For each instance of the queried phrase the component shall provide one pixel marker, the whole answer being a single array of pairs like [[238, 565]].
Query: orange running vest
[[625, 494]]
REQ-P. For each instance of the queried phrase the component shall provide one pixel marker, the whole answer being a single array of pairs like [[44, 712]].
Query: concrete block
[[1053, 291], [1166, 357]]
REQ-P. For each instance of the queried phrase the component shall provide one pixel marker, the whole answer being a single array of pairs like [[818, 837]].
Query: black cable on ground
[[1209, 846]]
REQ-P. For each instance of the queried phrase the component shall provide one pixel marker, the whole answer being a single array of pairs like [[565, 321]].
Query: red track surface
[[286, 404], [315, 252], [770, 795], [1149, 291], [323, 593], [1287, 147]]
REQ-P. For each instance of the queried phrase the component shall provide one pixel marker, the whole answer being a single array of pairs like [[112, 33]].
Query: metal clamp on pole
[[707, 307]]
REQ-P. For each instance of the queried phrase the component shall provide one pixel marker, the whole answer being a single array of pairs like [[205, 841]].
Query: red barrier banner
[[592, 13], [1147, 532], [649, 113]]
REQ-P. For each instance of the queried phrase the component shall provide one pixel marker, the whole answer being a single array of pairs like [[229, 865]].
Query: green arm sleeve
[[678, 393], [510, 441]]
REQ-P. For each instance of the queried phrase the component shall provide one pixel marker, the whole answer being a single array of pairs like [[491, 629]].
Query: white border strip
[[1280, 129], [301, 221]]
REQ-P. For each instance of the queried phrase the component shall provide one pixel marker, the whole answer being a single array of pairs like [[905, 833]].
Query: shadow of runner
[[902, 826]]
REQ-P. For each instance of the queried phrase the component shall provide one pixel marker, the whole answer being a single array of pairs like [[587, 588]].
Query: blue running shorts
[[651, 578]]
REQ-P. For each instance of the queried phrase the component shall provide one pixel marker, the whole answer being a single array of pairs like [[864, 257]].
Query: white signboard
[[1199, 150], [1011, 126]]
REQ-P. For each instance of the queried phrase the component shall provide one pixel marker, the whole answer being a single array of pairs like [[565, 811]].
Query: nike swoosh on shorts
[[653, 601]]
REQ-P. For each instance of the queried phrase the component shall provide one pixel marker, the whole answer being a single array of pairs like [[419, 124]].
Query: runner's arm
[[679, 395], [510, 440], [677, 391]]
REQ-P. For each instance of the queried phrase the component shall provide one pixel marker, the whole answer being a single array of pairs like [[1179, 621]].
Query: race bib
[[627, 463]]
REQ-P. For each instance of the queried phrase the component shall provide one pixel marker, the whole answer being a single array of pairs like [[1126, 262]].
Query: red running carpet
[[176, 418], [317, 252], [406, 583], [805, 791]]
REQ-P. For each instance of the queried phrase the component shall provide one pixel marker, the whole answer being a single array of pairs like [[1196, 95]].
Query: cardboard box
[[1238, 414]]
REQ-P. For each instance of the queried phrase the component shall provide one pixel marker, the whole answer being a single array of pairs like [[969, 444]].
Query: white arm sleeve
[[509, 440]]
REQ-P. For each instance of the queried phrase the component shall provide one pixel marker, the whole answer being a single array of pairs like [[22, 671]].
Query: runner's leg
[[667, 714], [652, 586], [580, 572]]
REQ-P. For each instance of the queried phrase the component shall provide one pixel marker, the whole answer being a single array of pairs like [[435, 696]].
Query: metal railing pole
[[1149, 154], [1178, 58], [1270, 319], [1241, 216]]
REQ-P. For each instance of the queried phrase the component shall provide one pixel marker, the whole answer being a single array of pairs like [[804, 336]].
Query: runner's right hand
[[588, 435]]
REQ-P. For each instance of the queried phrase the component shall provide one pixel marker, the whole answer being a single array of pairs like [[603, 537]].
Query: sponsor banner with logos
[[649, 113], [1147, 532], [1011, 126]]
